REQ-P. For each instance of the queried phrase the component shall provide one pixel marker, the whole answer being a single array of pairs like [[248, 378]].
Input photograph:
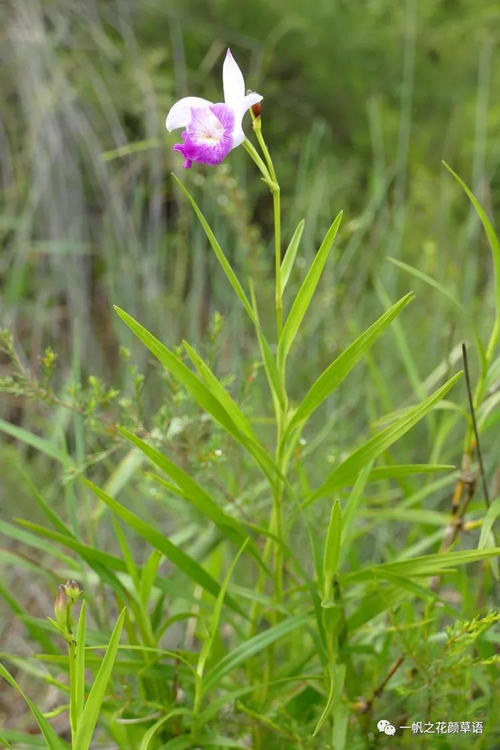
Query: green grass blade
[[78, 688], [90, 715], [200, 392], [487, 535], [184, 562], [191, 490], [348, 470], [305, 293], [290, 254], [148, 577], [397, 471], [218, 390], [51, 738], [490, 233], [428, 565], [331, 552], [35, 441], [146, 740], [249, 648], [337, 677], [488, 521], [226, 266], [428, 280], [214, 624], [342, 366], [55, 520], [89, 554]]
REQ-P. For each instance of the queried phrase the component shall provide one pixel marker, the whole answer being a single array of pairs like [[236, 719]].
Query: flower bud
[[257, 109], [61, 607], [73, 590]]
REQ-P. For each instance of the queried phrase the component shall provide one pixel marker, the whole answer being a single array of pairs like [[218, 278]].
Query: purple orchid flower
[[212, 130]]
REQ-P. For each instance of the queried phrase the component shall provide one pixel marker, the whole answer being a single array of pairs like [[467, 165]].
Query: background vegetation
[[362, 101]]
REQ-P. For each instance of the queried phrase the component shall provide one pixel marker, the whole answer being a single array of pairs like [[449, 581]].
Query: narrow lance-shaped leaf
[[290, 254], [184, 562], [248, 648], [90, 714], [337, 677], [347, 471], [331, 553], [200, 392], [427, 280], [344, 363], [226, 266], [305, 293], [490, 232], [427, 565], [37, 442], [51, 738], [214, 624], [78, 689], [223, 397], [397, 471], [190, 490]]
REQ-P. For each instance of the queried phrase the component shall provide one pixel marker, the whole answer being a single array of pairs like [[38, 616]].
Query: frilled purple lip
[[208, 137]]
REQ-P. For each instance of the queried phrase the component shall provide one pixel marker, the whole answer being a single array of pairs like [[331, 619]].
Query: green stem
[[72, 688], [276, 193], [272, 548]]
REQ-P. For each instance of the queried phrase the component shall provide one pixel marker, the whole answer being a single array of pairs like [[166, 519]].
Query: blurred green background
[[362, 101]]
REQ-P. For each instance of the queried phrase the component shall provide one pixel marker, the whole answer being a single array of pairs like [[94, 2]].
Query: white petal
[[237, 135], [249, 100], [232, 81], [180, 113], [243, 106]]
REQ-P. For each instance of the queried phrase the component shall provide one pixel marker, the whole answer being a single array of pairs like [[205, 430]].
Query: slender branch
[[474, 424]]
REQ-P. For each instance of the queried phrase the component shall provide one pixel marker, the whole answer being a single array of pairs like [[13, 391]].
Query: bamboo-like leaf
[[226, 266], [487, 535], [491, 515], [249, 648], [78, 689], [337, 677], [305, 293], [90, 714], [51, 738], [220, 392], [428, 565], [290, 254], [397, 471], [183, 561], [490, 233], [347, 471], [428, 280], [190, 490], [146, 740], [89, 554], [37, 442], [342, 366], [214, 623], [200, 393], [148, 576], [331, 552], [103, 563]]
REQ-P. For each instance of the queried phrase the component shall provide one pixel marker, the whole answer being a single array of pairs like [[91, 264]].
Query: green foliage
[[296, 571]]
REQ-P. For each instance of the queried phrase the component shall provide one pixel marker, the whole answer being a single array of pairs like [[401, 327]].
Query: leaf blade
[[349, 468], [306, 291]]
